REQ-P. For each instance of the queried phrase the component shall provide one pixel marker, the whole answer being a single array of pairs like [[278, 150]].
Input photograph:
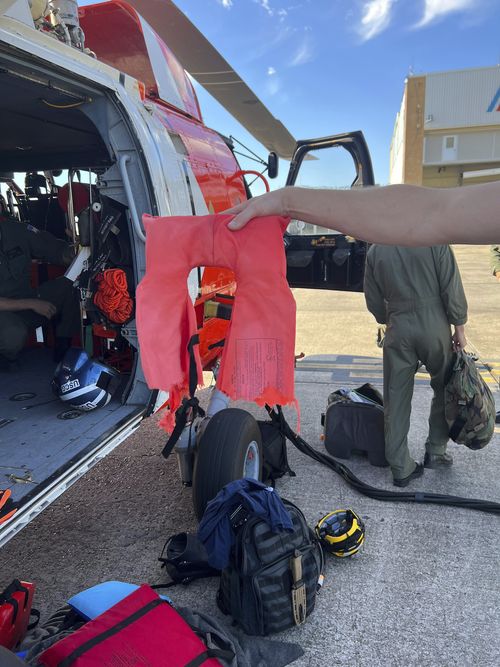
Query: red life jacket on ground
[[258, 358]]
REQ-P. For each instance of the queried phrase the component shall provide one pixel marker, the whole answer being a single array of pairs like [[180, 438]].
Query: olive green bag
[[469, 404]]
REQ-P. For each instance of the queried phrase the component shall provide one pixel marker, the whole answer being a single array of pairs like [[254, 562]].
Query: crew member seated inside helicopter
[[23, 308]]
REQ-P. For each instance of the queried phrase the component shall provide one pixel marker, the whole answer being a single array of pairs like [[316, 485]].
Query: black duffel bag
[[353, 427]]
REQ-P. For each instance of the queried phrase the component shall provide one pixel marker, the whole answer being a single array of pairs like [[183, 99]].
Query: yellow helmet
[[341, 532]]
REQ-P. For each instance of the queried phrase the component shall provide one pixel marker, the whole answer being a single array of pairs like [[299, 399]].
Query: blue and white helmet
[[82, 382]]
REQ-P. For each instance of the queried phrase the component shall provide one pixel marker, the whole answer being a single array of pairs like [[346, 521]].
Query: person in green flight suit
[[418, 294], [23, 308]]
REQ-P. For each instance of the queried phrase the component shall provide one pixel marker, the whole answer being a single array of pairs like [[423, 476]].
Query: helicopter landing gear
[[229, 449]]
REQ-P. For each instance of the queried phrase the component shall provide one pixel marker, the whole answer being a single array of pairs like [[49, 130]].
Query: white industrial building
[[447, 131]]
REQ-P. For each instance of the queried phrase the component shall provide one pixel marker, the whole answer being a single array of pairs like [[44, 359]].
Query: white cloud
[[270, 11], [271, 71], [265, 5], [376, 17], [304, 54], [226, 3], [435, 9]]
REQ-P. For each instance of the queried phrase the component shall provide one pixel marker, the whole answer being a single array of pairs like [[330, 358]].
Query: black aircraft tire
[[222, 452]]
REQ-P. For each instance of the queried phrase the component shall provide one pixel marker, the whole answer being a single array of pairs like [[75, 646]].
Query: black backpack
[[272, 579]]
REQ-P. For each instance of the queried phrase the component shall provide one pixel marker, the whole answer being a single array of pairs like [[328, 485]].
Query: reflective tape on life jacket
[[258, 358]]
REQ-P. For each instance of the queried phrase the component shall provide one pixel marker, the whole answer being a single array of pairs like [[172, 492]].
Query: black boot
[[404, 481]]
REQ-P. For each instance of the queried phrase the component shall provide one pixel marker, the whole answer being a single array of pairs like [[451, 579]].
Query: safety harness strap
[[190, 407], [278, 418]]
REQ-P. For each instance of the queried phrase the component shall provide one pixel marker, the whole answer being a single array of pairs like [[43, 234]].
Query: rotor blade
[[205, 64]]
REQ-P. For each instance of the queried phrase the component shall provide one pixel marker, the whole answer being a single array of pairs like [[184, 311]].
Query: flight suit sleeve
[[450, 285], [374, 298], [495, 259], [46, 247]]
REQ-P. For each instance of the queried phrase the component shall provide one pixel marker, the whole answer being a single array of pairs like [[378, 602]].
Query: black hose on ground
[[383, 494]]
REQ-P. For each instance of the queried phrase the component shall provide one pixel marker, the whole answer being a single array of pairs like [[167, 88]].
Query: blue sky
[[330, 66]]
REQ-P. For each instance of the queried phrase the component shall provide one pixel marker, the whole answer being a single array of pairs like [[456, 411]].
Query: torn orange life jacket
[[258, 357]]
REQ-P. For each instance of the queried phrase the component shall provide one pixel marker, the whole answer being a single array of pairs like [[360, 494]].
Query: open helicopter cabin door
[[318, 257]]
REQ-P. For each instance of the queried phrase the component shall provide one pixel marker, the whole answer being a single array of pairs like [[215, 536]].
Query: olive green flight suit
[[417, 293], [19, 244]]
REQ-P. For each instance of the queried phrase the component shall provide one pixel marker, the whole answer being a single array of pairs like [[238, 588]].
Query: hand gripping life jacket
[[258, 358]]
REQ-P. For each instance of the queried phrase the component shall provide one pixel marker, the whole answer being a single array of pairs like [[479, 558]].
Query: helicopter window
[[331, 167]]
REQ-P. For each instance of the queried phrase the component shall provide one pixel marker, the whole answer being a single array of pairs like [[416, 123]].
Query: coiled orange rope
[[112, 296]]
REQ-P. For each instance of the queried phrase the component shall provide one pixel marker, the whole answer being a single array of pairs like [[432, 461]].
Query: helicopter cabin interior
[[59, 173]]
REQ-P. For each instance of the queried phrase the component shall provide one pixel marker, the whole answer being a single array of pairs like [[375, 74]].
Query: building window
[[450, 142]]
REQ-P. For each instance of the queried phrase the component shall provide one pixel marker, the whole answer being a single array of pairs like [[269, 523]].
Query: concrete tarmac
[[424, 590]]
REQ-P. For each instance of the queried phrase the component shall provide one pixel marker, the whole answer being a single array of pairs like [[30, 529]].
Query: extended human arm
[[395, 214]]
